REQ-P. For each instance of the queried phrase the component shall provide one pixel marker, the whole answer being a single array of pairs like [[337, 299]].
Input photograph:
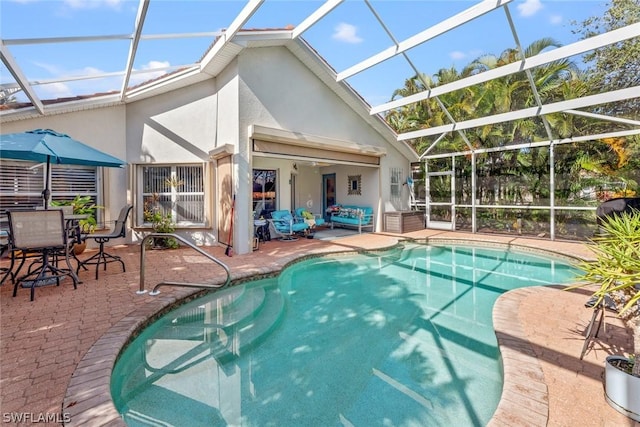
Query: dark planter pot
[[160, 243]]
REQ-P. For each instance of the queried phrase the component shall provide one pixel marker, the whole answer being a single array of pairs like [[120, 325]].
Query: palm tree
[[555, 81]]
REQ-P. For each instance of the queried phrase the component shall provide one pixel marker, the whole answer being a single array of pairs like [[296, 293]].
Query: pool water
[[396, 338]]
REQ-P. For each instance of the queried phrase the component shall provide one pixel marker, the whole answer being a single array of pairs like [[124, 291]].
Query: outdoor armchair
[[284, 226]]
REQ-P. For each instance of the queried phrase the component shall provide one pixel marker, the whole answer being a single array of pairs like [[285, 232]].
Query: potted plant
[[163, 224], [617, 271], [160, 223], [82, 205]]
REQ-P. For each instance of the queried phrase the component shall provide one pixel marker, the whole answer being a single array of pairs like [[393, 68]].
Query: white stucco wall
[[177, 126], [278, 91], [228, 111], [309, 188]]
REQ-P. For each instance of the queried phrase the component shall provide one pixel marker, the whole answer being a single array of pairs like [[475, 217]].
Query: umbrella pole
[[46, 192]]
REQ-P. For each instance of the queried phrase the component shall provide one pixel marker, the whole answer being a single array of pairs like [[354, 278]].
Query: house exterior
[[262, 121]]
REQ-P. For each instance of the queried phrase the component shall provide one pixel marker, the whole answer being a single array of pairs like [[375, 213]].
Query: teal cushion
[[300, 226], [351, 214]]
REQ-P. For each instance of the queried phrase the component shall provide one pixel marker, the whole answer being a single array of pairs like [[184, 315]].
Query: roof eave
[[166, 83], [52, 109]]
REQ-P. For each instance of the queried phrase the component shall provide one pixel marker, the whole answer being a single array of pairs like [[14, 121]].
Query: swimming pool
[[402, 337]]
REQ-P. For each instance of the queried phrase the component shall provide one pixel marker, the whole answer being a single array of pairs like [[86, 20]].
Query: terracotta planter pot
[[622, 390], [78, 248]]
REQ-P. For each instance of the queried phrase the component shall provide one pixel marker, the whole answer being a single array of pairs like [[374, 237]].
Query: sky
[[348, 35]]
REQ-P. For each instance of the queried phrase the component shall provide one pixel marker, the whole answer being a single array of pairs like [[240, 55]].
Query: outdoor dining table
[[72, 225]]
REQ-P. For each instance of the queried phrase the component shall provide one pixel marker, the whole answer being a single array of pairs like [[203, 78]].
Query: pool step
[[231, 327], [250, 333], [218, 301], [214, 314]]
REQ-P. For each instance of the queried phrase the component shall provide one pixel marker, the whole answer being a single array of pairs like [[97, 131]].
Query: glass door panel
[[440, 200], [264, 192], [328, 193]]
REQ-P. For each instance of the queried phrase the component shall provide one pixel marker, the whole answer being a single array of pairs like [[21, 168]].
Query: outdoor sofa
[[360, 217]]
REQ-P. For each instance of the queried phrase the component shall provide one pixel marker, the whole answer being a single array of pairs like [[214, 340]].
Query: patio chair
[[102, 257], [5, 250], [12, 271], [42, 233], [284, 226]]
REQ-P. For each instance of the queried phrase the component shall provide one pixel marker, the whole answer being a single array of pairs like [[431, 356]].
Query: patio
[[53, 355]]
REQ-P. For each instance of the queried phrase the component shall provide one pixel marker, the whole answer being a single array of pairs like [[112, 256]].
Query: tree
[[614, 66]]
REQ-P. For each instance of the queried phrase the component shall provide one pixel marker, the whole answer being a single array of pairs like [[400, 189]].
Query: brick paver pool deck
[[57, 351]]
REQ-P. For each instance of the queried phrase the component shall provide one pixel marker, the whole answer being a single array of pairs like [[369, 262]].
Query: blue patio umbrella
[[48, 146]]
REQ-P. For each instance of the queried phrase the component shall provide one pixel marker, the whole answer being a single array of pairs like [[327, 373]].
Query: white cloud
[[346, 33], [529, 7], [458, 55], [90, 86], [136, 79], [73, 87], [58, 72], [54, 91], [50, 68], [555, 19], [156, 64], [93, 4], [91, 71]]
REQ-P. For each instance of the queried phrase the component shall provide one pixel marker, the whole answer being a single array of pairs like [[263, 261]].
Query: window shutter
[[67, 182], [21, 185]]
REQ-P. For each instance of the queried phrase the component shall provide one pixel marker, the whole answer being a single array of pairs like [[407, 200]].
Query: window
[[176, 190], [264, 191], [21, 183], [396, 184]]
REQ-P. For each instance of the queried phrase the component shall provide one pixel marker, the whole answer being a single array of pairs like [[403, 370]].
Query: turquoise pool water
[[400, 338]]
